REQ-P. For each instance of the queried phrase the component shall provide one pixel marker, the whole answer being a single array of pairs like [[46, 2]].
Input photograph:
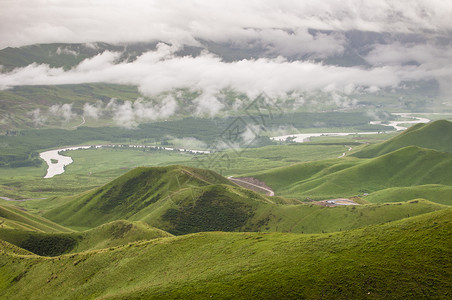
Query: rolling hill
[[159, 194], [435, 135], [434, 192], [183, 200], [12, 217], [108, 235], [409, 166], [406, 258]]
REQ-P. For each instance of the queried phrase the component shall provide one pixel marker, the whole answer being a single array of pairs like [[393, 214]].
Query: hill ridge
[[431, 135], [349, 264]]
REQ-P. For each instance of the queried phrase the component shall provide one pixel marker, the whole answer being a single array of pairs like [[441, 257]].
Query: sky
[[26, 22], [282, 28]]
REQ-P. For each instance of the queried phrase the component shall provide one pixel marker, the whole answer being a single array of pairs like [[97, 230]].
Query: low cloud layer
[[25, 22], [158, 71]]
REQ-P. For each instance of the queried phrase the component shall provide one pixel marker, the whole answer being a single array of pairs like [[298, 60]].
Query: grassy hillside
[[308, 218], [14, 218], [434, 192], [408, 166], [433, 135], [134, 193], [183, 200], [108, 235], [408, 258]]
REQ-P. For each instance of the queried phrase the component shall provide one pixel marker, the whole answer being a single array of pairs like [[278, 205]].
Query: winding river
[[57, 162], [304, 137]]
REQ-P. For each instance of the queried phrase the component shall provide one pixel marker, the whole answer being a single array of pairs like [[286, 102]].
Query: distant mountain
[[356, 45], [435, 135]]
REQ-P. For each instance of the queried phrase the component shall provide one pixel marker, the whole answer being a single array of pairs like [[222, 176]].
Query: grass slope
[[183, 200], [405, 167], [408, 258], [14, 218], [132, 193], [308, 218], [108, 235], [431, 135], [434, 192]]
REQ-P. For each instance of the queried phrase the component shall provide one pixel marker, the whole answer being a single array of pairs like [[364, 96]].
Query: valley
[[225, 149]]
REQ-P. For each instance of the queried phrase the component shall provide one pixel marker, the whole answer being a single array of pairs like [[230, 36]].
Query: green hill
[[435, 135], [14, 218], [176, 199], [129, 194], [411, 258], [409, 166], [433, 192], [183, 200], [108, 235]]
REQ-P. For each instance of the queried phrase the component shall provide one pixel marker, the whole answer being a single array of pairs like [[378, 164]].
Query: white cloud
[[159, 71], [42, 21], [64, 111], [429, 54], [37, 118], [63, 50], [129, 114], [93, 111]]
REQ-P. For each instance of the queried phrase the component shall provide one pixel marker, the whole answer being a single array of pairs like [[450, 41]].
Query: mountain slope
[[437, 193], [177, 199], [108, 235], [411, 257], [132, 192], [435, 135], [181, 200], [13, 218], [408, 166]]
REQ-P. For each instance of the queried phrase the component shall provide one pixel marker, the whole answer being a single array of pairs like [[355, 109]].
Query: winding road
[[268, 191]]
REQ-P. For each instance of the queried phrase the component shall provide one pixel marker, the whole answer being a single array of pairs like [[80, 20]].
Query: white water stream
[[304, 137], [61, 161]]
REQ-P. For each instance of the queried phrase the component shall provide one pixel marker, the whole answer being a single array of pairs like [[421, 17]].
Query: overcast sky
[[280, 26], [24, 22]]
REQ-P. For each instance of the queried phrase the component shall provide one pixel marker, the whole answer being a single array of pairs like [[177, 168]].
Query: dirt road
[[253, 184]]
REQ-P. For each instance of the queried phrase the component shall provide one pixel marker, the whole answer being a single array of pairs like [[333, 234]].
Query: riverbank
[[56, 162], [305, 137]]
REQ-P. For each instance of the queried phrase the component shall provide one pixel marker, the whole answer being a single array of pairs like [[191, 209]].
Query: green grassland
[[408, 166], [184, 200], [107, 235], [95, 167], [91, 168], [437, 193], [109, 230], [434, 135], [12, 217], [231, 162], [407, 258], [20, 148]]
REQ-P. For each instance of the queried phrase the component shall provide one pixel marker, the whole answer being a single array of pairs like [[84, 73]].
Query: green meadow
[[407, 258], [134, 223]]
